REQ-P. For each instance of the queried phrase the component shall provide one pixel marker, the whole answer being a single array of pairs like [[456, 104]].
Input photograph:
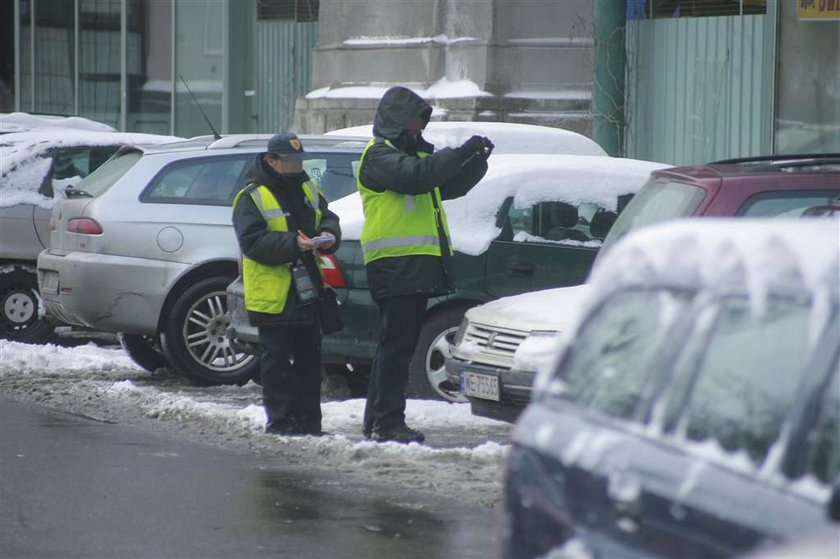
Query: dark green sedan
[[533, 222]]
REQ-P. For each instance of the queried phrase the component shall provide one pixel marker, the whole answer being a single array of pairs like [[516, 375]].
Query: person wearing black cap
[[405, 242], [276, 216]]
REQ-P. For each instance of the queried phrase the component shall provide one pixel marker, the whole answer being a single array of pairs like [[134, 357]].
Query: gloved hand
[[487, 149], [471, 147]]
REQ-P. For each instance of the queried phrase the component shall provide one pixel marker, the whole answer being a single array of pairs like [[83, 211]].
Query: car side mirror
[[833, 507]]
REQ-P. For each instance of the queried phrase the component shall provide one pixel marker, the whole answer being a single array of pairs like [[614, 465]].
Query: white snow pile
[[25, 159], [16, 357], [343, 418], [22, 122], [507, 137], [529, 179]]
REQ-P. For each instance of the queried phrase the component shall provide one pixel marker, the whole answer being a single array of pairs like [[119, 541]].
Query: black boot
[[398, 434]]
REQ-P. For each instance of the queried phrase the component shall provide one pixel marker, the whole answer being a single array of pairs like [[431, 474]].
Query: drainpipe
[[608, 96]]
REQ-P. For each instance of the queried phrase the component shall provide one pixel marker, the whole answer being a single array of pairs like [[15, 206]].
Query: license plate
[[481, 386], [49, 282]]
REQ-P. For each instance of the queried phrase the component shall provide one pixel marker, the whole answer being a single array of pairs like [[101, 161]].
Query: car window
[[614, 354], [521, 221], [560, 221], [747, 376], [823, 460], [785, 203], [334, 173], [75, 163], [655, 202], [106, 175], [206, 180]]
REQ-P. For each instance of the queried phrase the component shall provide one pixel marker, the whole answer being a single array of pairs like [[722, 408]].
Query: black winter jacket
[[402, 171], [274, 247]]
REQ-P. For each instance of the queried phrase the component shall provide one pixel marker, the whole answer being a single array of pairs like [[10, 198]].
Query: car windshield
[[109, 173], [334, 173], [655, 202]]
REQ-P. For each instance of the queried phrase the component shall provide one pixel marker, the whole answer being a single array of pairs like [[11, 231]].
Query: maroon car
[[770, 186]]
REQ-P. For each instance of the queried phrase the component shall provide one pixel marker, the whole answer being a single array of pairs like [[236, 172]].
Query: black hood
[[397, 107]]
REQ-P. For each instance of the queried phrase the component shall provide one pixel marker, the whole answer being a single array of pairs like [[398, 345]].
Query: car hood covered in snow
[[546, 310]]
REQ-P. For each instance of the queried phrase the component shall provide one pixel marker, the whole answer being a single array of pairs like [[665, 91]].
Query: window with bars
[[647, 9], [295, 10]]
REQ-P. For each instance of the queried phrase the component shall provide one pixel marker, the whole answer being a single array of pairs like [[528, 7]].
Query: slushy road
[[74, 487]]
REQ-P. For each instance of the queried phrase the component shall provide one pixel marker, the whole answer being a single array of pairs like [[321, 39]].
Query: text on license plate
[[485, 387], [49, 282]]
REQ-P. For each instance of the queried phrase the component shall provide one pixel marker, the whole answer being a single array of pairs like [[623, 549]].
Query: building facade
[[677, 81], [165, 66]]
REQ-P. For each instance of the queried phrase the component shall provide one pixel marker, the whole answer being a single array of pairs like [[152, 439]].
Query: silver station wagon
[[144, 246]]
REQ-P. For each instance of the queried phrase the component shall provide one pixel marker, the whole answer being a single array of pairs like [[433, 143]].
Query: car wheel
[[194, 338], [427, 370], [143, 350], [20, 303]]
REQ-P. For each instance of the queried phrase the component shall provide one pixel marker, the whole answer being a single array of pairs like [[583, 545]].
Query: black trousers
[[401, 319], [290, 367]]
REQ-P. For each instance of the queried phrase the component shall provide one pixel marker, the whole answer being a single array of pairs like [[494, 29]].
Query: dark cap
[[286, 146]]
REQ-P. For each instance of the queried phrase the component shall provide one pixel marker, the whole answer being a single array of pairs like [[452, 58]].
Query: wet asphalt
[[71, 486]]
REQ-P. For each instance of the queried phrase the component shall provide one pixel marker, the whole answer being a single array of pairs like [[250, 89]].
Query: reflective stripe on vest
[[399, 224], [267, 287]]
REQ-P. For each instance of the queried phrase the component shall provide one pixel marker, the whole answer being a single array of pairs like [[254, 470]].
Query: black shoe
[[398, 434]]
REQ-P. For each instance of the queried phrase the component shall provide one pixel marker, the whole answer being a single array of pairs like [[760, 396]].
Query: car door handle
[[520, 268], [625, 491]]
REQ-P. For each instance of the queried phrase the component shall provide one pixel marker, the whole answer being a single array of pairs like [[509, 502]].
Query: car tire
[[426, 369], [194, 338], [20, 304], [144, 350]]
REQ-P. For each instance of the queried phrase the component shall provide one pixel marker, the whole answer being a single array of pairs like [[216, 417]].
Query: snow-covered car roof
[[508, 137], [529, 179], [717, 254], [23, 164], [24, 122]]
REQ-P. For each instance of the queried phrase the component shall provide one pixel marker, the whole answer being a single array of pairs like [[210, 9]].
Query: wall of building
[[491, 60]]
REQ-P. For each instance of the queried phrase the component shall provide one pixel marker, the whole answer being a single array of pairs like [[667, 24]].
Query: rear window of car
[[790, 203], [108, 173], [204, 180], [656, 201]]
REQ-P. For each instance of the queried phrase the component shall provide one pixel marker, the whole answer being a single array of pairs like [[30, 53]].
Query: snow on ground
[[103, 383]]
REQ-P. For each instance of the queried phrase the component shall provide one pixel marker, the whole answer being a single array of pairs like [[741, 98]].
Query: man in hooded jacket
[[405, 242], [275, 218]]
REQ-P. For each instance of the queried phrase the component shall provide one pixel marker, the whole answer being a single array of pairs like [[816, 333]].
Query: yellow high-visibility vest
[[400, 224], [267, 287]]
